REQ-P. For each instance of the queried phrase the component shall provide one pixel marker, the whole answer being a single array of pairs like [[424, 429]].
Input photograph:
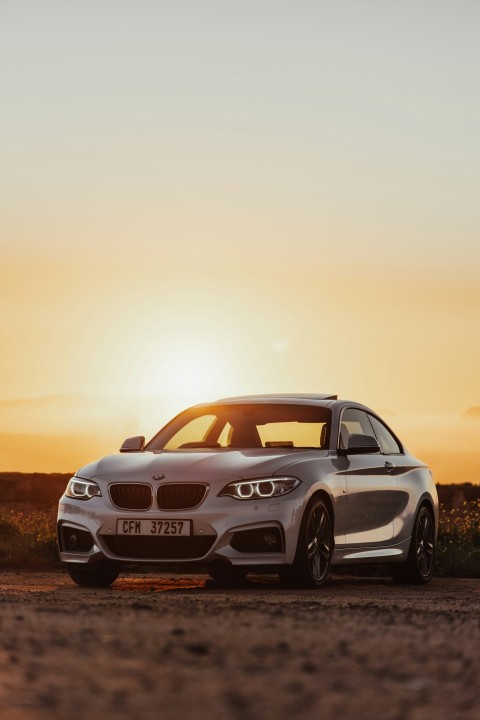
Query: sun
[[197, 354], [188, 369]]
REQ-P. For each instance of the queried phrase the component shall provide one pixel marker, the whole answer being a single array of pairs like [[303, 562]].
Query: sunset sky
[[201, 199]]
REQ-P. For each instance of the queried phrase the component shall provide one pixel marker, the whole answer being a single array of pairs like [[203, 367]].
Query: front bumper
[[216, 524]]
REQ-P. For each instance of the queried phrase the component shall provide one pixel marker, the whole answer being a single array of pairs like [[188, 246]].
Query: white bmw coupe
[[286, 484]]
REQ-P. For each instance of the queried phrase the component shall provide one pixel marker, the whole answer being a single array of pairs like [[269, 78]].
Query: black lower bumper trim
[[159, 548]]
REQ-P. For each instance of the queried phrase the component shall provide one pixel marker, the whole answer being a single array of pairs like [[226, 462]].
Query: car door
[[400, 466], [372, 497]]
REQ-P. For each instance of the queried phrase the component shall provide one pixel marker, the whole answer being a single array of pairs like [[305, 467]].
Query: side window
[[353, 421], [388, 444]]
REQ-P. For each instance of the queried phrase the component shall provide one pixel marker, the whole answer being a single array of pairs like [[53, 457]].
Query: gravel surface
[[165, 647]]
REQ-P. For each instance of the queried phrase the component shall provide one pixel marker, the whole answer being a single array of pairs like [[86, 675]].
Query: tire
[[314, 549], [418, 568], [224, 572], [101, 574]]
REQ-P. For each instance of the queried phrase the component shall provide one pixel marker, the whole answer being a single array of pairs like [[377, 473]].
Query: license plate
[[154, 527]]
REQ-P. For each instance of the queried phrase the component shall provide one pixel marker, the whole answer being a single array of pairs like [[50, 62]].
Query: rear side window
[[353, 421], [388, 444]]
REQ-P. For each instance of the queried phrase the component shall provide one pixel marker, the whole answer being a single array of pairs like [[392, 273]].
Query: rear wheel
[[418, 568], [101, 574], [314, 548]]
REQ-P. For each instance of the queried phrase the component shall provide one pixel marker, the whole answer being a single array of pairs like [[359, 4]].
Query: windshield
[[244, 426]]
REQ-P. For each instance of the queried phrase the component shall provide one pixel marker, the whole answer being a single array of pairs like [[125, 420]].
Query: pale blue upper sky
[[363, 109]]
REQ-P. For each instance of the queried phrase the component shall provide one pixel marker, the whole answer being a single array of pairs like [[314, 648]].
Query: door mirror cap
[[359, 444], [133, 444]]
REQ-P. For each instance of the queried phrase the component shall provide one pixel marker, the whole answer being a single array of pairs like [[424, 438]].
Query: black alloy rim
[[318, 543], [425, 544]]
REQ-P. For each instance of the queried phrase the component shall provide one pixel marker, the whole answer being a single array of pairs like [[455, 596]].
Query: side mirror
[[359, 444], [133, 444]]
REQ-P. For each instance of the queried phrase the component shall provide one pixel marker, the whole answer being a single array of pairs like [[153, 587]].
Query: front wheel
[[418, 568], [314, 549], [101, 574]]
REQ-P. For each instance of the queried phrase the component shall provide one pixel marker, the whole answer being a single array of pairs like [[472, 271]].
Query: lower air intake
[[159, 548]]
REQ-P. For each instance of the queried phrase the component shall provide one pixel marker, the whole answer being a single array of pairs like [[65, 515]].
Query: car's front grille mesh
[[158, 548], [180, 496], [131, 496], [170, 496]]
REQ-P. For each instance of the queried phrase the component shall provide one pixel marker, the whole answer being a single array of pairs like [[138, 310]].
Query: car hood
[[196, 465]]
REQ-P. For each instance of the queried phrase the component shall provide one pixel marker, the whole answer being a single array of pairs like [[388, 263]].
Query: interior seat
[[323, 436], [245, 436], [344, 435]]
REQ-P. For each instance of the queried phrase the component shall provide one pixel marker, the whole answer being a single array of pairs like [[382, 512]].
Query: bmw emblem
[[158, 476]]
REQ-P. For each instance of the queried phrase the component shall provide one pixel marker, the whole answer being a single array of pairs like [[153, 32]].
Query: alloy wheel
[[319, 538], [425, 543]]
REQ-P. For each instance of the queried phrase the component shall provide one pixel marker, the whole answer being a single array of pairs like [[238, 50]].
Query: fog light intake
[[259, 540], [75, 540]]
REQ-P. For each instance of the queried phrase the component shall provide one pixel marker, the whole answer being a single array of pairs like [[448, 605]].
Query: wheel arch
[[427, 501], [296, 574], [323, 495]]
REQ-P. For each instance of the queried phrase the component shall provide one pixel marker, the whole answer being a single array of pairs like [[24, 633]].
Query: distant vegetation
[[458, 550], [32, 491], [28, 540], [28, 524]]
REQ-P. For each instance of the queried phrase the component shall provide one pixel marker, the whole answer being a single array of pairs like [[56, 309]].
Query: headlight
[[82, 489], [262, 488]]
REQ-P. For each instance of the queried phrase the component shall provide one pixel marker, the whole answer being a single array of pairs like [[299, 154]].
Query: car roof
[[301, 398]]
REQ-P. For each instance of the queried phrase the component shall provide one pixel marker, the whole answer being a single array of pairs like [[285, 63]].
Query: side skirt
[[391, 553]]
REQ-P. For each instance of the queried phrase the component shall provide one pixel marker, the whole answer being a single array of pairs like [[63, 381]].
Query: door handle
[[389, 466]]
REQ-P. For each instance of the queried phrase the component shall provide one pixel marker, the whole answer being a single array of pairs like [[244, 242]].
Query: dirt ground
[[165, 647]]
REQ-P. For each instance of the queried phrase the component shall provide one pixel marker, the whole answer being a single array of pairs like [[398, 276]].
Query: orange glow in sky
[[200, 201]]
